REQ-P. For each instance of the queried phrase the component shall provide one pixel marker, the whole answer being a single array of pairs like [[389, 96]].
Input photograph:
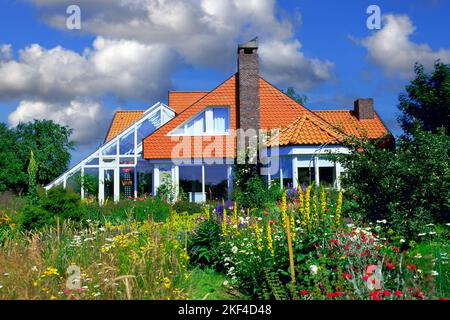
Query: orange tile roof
[[161, 146], [277, 110], [180, 100], [346, 121], [121, 121], [298, 124], [307, 130]]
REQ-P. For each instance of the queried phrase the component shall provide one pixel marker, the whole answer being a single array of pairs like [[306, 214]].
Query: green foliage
[[57, 203], [301, 99], [427, 100], [35, 217], [203, 244], [256, 194], [51, 145], [12, 175], [187, 206], [89, 182], [409, 187], [32, 171], [167, 191]]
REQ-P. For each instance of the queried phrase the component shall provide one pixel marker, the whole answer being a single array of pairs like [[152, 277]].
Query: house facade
[[194, 142]]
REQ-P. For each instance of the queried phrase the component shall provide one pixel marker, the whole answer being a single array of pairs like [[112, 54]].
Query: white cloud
[[138, 46], [201, 32], [5, 52], [126, 68], [284, 63], [82, 114], [392, 49]]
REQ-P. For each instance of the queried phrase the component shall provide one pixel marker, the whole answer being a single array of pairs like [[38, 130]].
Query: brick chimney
[[364, 109], [248, 81]]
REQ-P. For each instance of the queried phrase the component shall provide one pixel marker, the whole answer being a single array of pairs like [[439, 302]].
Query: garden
[[384, 236]]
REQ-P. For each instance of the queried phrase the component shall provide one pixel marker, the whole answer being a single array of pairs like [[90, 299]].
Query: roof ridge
[[324, 127]]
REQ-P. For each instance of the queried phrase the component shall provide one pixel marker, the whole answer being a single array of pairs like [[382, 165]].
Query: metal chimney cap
[[252, 44]]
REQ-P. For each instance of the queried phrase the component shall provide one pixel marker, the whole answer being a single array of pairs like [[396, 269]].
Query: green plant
[[187, 206], [167, 191], [203, 243], [255, 194]]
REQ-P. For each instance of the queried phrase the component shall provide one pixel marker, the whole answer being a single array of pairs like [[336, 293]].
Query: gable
[[121, 121], [180, 100], [160, 145]]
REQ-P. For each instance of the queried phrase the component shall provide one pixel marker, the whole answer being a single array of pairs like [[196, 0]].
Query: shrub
[[256, 194], [35, 217], [63, 203], [203, 244], [186, 206], [409, 187]]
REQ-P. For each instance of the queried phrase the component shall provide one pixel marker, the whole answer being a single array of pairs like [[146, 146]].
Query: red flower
[[331, 295], [346, 247], [365, 278], [444, 299], [266, 214], [338, 294], [412, 266], [271, 221], [375, 296], [390, 266], [387, 293], [346, 275], [398, 293], [304, 292], [374, 281]]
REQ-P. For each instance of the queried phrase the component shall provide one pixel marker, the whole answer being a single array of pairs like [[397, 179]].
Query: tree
[[408, 187], [32, 171], [427, 99], [11, 174], [51, 145], [301, 99]]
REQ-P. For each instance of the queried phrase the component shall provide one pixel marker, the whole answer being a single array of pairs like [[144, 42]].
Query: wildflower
[[167, 282], [402, 240], [269, 238], [421, 234], [225, 283], [434, 273], [398, 293], [382, 221], [339, 209], [314, 268], [443, 299], [258, 237], [412, 266], [234, 249], [271, 222], [390, 266], [331, 295], [386, 293], [304, 292], [338, 294]]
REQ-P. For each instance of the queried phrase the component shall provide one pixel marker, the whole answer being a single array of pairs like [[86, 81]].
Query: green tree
[[51, 145], [301, 99], [409, 187], [11, 174], [427, 99], [32, 171]]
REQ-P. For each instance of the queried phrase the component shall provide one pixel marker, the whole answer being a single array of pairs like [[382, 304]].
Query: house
[[194, 141]]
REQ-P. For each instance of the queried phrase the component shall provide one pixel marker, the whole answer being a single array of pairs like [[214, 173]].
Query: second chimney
[[364, 109], [248, 75]]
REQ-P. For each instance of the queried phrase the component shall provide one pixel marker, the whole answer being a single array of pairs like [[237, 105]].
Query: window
[[326, 176], [211, 121], [216, 182], [306, 176]]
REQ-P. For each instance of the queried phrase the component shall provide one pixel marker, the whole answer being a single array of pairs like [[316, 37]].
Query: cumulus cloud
[[200, 32], [138, 46], [392, 48], [284, 63], [127, 68], [81, 114]]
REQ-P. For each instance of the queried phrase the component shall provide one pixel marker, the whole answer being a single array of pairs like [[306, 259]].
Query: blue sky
[[137, 50]]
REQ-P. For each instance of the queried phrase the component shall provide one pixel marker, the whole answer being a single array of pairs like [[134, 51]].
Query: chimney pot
[[364, 109]]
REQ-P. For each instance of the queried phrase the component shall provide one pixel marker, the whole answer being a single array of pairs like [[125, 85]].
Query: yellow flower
[[293, 231], [207, 216], [269, 239], [339, 209], [258, 236], [323, 203], [224, 220], [307, 212], [283, 209], [167, 282]]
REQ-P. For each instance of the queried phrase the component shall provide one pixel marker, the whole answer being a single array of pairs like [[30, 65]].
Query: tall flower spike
[[339, 209], [269, 239], [283, 208]]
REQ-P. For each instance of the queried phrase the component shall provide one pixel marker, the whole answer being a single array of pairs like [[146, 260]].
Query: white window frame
[[209, 124]]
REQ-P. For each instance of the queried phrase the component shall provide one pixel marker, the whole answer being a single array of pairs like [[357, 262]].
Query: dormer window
[[211, 121]]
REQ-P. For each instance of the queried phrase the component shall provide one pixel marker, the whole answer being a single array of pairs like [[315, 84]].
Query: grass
[[207, 284]]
